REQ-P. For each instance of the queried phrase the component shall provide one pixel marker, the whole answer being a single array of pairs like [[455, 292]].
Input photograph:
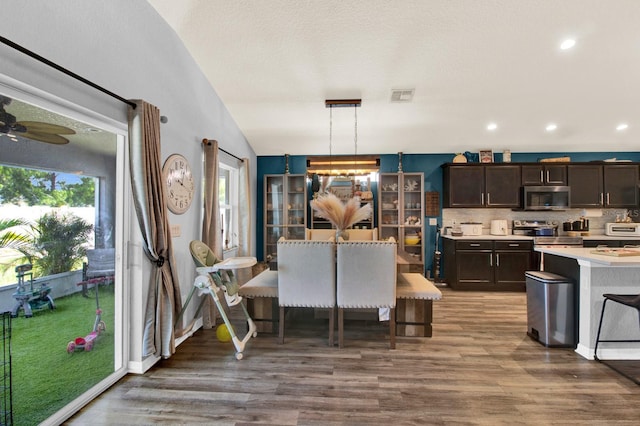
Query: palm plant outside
[[58, 243]]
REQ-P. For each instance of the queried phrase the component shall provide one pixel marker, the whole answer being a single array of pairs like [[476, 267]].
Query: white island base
[[596, 275]]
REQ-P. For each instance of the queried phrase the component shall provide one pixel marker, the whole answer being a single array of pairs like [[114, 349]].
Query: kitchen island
[[594, 275]]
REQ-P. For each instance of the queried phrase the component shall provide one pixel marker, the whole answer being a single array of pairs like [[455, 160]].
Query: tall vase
[[342, 233]]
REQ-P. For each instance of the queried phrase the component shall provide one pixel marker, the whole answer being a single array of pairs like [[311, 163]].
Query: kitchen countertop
[[529, 237], [585, 254], [490, 237]]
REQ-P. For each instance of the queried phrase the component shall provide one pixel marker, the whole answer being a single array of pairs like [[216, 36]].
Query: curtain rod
[[207, 142], [64, 70], [227, 152]]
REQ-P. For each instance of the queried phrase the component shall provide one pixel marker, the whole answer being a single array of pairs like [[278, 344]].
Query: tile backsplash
[[597, 217]]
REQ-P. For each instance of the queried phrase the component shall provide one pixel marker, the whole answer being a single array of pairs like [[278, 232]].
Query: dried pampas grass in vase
[[341, 215]]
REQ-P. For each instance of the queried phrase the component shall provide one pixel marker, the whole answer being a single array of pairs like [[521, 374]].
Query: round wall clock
[[178, 182]]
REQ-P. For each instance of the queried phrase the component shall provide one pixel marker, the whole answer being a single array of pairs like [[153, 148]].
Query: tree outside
[[53, 241]]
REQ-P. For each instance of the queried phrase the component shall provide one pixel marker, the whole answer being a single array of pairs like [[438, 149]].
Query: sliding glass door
[[62, 186]]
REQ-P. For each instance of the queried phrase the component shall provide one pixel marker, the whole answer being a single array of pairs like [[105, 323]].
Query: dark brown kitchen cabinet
[[501, 186], [482, 186], [586, 183], [608, 186], [487, 265], [620, 185], [610, 243], [464, 186], [512, 260], [474, 265], [544, 174]]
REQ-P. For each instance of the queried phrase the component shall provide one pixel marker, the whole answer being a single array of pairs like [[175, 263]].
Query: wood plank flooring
[[479, 368]]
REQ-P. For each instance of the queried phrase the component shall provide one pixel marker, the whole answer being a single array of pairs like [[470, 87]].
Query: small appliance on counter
[[471, 228], [580, 225], [628, 229], [499, 227]]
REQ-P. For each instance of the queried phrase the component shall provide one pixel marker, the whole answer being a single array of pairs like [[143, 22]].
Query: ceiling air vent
[[402, 95]]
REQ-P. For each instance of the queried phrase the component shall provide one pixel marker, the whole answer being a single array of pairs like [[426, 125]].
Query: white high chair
[[215, 276]]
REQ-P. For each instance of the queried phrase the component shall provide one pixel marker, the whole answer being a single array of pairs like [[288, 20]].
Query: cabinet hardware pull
[[541, 177], [488, 198], [514, 245], [474, 244], [497, 259], [490, 260], [601, 199], [482, 198], [608, 200]]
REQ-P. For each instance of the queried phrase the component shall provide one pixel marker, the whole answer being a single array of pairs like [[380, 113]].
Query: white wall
[[125, 47]]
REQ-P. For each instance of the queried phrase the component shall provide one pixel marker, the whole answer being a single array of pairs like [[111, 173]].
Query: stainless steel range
[[545, 234]]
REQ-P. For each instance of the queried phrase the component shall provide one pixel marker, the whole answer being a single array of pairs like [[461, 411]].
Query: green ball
[[222, 332]]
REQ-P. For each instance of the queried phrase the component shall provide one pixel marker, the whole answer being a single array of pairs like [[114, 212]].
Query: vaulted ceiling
[[470, 63]]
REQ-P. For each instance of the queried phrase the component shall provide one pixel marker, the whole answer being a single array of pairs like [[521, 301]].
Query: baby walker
[[220, 273], [86, 343]]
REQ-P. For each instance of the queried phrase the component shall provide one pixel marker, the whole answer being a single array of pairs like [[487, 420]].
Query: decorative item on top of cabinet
[[401, 210], [285, 210], [459, 158], [486, 156]]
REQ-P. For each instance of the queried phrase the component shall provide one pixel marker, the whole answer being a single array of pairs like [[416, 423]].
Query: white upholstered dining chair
[[306, 278], [366, 278]]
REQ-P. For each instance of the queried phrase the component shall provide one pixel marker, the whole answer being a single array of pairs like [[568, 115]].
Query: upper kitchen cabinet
[[544, 174], [586, 183], [608, 185], [620, 185], [476, 185]]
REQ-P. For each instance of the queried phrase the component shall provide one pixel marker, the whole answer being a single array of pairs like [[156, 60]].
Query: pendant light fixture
[[344, 164]]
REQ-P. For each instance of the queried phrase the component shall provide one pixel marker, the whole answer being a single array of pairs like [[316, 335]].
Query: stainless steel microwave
[[546, 197]]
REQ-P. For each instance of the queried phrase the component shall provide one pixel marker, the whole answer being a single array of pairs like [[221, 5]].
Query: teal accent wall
[[429, 164]]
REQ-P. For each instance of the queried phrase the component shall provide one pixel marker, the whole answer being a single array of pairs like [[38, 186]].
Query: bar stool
[[631, 300]]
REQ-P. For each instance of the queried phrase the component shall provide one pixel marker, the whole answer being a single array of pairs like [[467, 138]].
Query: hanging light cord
[[355, 137], [330, 139]]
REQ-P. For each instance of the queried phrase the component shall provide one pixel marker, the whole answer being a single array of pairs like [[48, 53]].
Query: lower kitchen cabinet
[[497, 265], [610, 243]]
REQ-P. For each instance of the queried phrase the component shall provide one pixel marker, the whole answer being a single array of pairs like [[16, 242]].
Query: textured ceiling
[[471, 62]]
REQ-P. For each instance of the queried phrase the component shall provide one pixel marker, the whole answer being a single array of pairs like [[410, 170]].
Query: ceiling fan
[[35, 130]]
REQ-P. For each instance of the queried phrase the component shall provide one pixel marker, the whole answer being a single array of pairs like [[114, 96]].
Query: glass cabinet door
[[274, 219], [401, 212], [389, 204], [285, 207], [412, 213], [296, 206]]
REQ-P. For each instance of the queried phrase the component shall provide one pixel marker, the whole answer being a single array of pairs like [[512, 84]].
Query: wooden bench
[[414, 304], [261, 295]]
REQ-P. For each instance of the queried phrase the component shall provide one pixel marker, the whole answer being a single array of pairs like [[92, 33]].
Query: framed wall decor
[[486, 156]]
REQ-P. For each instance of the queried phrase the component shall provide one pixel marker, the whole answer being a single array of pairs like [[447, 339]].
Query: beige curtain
[[211, 226], [163, 300], [244, 210]]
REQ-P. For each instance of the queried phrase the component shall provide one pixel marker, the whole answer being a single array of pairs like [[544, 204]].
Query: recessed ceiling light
[[622, 126], [567, 44], [551, 127], [492, 126]]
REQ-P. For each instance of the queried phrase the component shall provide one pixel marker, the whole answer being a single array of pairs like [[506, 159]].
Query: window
[[228, 196]]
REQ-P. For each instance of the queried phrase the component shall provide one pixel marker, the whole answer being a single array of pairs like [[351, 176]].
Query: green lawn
[[45, 376]]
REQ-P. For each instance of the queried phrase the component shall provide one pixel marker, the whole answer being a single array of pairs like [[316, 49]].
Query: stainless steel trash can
[[550, 309]]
